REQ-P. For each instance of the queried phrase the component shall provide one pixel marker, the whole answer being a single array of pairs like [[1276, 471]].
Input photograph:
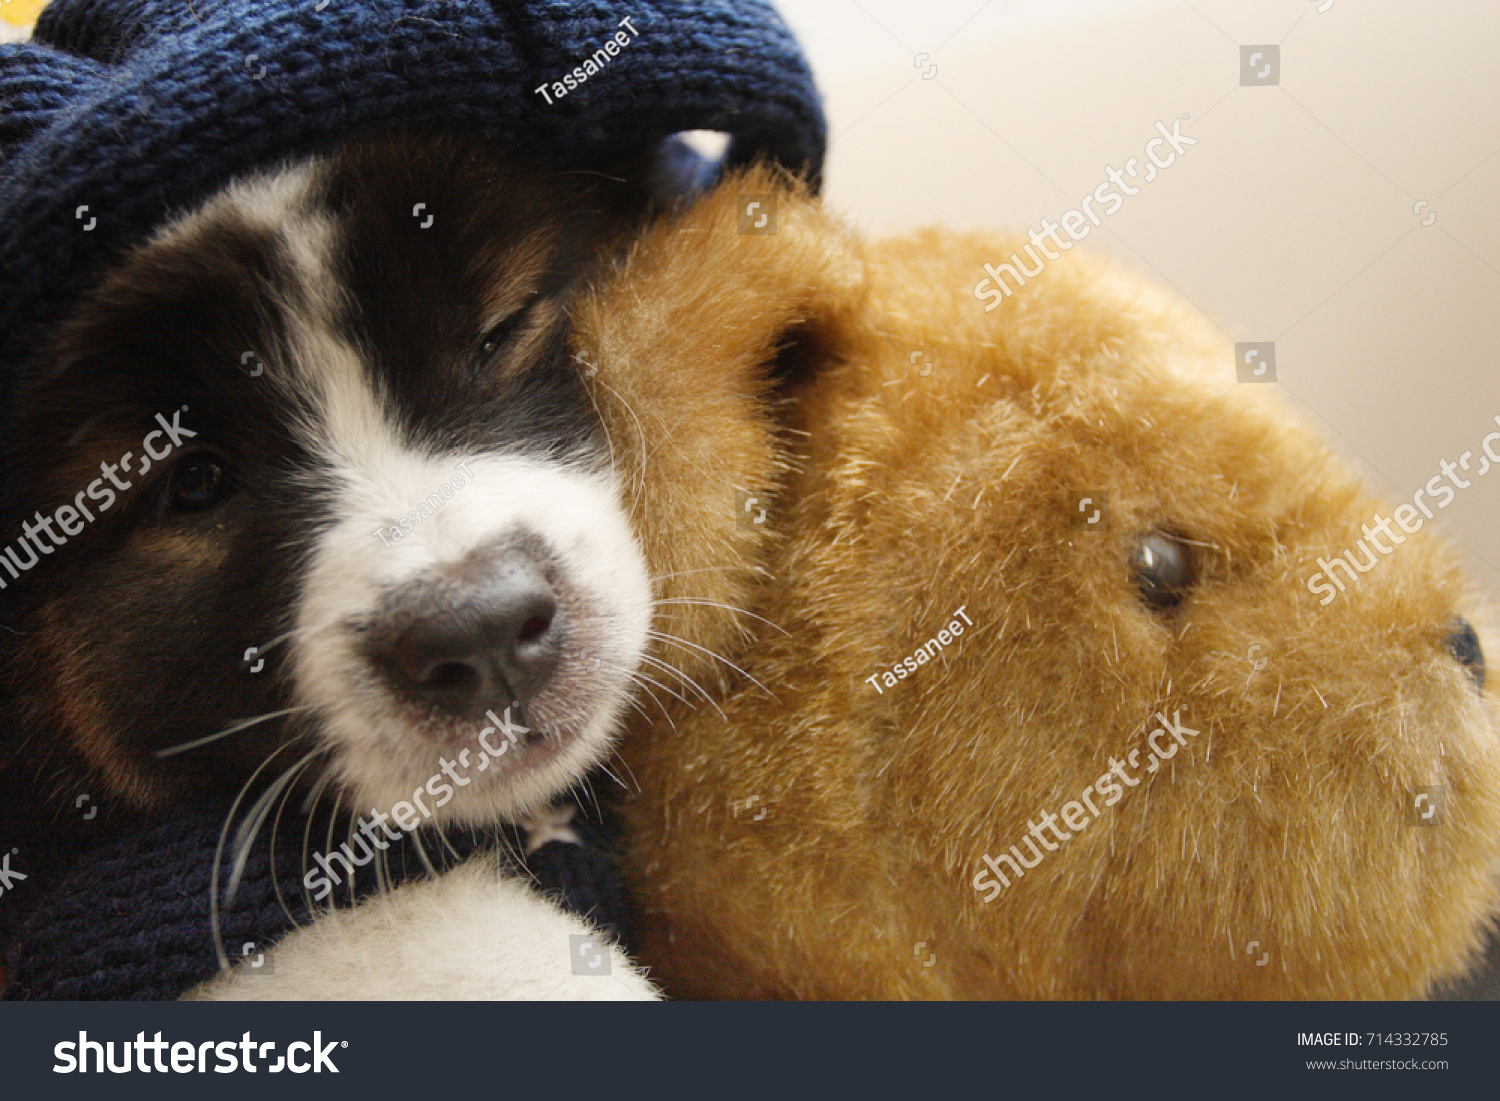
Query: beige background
[[1291, 219]]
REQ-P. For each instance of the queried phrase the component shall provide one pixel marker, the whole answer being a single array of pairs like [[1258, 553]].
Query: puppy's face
[[337, 485]]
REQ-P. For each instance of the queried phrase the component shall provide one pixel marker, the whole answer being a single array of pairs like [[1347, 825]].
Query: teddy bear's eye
[[1163, 568]]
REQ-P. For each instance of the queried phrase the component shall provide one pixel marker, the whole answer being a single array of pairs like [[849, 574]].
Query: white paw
[[470, 934]]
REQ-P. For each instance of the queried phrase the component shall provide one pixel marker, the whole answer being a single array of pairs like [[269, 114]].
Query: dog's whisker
[[654, 662], [646, 678], [232, 728], [586, 787], [685, 679], [634, 785], [726, 607], [310, 803], [213, 883], [309, 810], [338, 803], [688, 701], [297, 633], [722, 569], [383, 872], [446, 842], [638, 708], [644, 683], [605, 769], [639, 480], [675, 641], [645, 715], [609, 442], [422, 853], [259, 811], [275, 829], [513, 847]]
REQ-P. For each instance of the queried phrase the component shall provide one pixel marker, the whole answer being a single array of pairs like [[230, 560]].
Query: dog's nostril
[[451, 676], [489, 646], [1463, 644], [534, 628]]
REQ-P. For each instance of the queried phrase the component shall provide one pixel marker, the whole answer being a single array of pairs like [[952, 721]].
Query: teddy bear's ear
[[37, 81], [755, 282]]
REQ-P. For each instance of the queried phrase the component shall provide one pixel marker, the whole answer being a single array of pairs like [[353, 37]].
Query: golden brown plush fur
[[817, 838]]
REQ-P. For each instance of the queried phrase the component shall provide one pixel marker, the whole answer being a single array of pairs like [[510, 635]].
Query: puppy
[[943, 666], [331, 421]]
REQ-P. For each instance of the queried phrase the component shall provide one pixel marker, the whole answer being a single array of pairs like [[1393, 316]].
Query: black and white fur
[[341, 333]]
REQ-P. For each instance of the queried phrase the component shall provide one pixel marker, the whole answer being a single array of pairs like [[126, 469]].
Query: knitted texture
[[132, 920], [136, 109]]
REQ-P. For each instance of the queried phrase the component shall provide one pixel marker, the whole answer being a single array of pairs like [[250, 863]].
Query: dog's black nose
[[1463, 644], [491, 645]]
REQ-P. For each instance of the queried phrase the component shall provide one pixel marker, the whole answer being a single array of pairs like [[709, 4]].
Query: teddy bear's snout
[[1463, 644]]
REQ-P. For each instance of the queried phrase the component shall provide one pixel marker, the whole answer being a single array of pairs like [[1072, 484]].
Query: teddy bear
[[1006, 667]]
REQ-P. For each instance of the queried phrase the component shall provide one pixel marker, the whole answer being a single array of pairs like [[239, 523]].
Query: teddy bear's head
[[1073, 667]]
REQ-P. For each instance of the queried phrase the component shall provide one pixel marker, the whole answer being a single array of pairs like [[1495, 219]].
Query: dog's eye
[[1163, 569], [497, 338], [199, 482]]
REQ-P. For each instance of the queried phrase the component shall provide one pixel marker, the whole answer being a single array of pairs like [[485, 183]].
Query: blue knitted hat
[[135, 109]]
